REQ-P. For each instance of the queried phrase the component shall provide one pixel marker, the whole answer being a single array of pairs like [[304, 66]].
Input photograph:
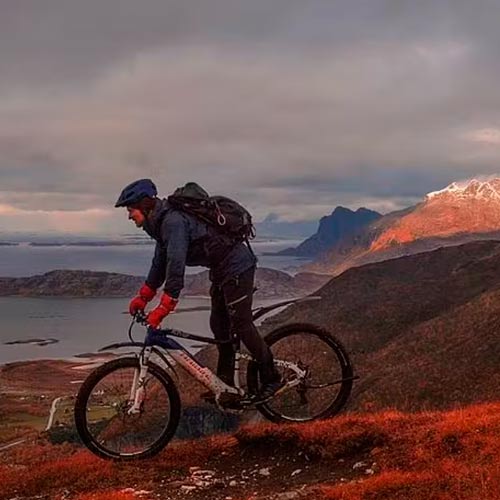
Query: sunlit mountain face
[[459, 213], [472, 207]]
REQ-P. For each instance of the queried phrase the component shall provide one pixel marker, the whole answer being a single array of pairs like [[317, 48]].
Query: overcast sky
[[291, 106]]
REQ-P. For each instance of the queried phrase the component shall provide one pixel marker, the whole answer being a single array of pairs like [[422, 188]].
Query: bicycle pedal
[[208, 397], [230, 401]]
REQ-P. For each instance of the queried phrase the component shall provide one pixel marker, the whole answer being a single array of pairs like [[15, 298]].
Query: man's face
[[136, 215]]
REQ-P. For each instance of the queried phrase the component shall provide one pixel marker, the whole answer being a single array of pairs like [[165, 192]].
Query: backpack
[[225, 214]]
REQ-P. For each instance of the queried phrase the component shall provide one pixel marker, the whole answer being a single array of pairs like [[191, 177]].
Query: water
[[26, 260], [84, 325], [79, 325]]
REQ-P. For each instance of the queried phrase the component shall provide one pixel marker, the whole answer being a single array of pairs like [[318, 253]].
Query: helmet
[[135, 192]]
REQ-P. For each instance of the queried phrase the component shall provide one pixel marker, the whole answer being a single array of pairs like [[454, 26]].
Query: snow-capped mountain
[[471, 207], [461, 212], [473, 189]]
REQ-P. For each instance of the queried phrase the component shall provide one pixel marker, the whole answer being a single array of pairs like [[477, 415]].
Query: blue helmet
[[135, 192]]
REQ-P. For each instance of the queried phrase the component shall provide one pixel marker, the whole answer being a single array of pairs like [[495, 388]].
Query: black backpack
[[225, 214]]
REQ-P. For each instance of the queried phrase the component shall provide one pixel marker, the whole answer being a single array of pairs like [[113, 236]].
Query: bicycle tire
[[314, 336], [100, 374]]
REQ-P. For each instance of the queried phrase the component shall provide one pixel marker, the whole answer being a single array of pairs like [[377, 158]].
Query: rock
[[359, 465], [264, 471], [199, 472], [201, 484], [288, 495]]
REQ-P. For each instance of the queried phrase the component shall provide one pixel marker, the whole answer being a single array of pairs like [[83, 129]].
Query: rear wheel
[[102, 404], [322, 391]]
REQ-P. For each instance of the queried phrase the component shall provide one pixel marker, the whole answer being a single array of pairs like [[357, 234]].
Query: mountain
[[270, 283], [454, 215], [333, 228], [422, 330]]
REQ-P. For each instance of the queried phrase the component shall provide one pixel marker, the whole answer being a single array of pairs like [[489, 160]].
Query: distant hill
[[454, 215], [341, 224], [68, 283], [422, 329]]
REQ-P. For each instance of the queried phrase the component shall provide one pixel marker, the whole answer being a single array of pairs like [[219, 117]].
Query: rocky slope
[[454, 215], [341, 224], [270, 284], [377, 456]]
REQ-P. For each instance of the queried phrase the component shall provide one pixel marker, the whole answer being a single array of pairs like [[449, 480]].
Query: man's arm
[[175, 235], [157, 272]]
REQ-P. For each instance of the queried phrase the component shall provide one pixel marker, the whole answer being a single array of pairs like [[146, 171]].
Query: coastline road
[[49, 425], [12, 444]]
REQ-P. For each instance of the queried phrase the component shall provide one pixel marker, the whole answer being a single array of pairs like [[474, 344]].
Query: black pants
[[232, 315]]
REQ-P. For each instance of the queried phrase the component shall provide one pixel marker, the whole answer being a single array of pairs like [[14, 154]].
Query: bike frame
[[170, 349]]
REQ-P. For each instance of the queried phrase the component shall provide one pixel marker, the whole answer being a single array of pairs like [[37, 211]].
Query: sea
[[62, 328]]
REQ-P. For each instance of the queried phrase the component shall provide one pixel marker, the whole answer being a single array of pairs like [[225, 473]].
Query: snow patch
[[474, 188]]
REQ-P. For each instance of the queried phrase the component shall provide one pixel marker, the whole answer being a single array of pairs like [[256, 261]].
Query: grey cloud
[[56, 40], [279, 102]]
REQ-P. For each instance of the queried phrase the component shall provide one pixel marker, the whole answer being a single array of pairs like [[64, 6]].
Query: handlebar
[[140, 317]]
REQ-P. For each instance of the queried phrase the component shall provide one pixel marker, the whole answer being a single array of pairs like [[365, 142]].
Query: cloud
[[489, 136], [291, 106], [89, 221]]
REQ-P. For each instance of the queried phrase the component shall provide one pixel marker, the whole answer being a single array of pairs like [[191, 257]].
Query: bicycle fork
[[136, 396]]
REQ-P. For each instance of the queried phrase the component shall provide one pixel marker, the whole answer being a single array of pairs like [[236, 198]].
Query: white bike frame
[[202, 374]]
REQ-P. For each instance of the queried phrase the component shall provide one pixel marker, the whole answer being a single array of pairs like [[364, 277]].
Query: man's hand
[[166, 306], [138, 303]]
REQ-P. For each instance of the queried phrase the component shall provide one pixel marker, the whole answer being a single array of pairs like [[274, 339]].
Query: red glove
[[166, 306], [146, 294]]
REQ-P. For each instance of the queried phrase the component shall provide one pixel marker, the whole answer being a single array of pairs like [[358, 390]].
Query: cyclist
[[183, 240]]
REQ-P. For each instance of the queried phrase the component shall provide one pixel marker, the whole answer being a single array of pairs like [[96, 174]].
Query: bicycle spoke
[[110, 422], [326, 381]]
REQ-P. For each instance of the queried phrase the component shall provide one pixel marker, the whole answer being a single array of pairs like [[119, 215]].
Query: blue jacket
[[184, 240]]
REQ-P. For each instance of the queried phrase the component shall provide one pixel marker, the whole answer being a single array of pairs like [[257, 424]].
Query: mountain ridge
[[340, 224], [372, 308], [454, 215]]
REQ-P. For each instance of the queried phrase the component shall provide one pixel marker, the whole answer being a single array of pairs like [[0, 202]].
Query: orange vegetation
[[109, 495], [446, 455], [429, 455]]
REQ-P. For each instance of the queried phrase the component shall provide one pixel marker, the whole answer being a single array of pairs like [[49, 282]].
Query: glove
[[146, 294], [166, 306]]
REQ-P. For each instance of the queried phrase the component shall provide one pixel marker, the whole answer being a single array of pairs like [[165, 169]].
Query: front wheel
[[327, 378], [102, 418]]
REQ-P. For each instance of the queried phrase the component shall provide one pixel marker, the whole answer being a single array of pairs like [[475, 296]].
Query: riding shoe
[[269, 389], [209, 396]]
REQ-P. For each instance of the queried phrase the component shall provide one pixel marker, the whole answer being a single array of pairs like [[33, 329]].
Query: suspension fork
[[136, 396]]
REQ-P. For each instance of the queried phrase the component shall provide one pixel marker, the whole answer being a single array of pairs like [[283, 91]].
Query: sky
[[292, 107]]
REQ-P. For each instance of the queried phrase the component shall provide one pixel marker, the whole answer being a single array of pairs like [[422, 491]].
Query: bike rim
[[110, 426], [319, 389]]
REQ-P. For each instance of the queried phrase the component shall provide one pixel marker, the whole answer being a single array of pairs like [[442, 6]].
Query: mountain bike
[[129, 408]]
